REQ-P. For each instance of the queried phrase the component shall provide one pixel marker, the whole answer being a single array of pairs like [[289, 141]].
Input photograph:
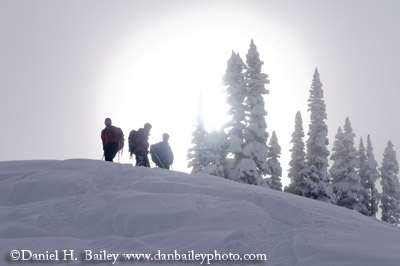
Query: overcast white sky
[[66, 65]]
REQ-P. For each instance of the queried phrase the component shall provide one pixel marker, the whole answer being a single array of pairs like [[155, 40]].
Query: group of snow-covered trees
[[351, 180], [240, 152]]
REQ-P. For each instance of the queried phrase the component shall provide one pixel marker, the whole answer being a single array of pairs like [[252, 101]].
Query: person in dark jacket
[[139, 145], [111, 137], [161, 153]]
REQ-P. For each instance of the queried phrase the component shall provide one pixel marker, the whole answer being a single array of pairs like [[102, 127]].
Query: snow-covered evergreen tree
[[212, 154], [298, 168], [362, 158], [256, 136], [369, 175], [196, 154], [208, 151], [346, 182], [390, 202], [274, 153], [236, 90], [318, 179]]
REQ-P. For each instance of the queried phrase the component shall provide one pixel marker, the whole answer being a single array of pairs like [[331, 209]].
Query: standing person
[[112, 138], [139, 145], [161, 153]]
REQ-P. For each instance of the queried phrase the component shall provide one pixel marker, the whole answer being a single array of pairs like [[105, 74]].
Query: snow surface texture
[[84, 204]]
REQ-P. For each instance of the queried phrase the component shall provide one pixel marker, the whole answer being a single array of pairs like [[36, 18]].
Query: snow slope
[[94, 205]]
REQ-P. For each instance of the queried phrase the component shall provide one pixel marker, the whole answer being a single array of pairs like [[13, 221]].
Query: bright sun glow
[[164, 85]]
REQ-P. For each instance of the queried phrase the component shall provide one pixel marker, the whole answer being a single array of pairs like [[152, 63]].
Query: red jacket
[[142, 141], [110, 135]]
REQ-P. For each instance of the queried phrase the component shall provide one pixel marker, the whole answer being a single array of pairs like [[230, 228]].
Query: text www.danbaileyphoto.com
[[105, 256]]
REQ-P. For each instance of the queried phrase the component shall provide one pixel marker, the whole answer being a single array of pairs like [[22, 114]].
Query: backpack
[[154, 152], [160, 155], [133, 135], [121, 139]]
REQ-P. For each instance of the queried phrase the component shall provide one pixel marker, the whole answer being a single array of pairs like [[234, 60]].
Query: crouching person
[[161, 153]]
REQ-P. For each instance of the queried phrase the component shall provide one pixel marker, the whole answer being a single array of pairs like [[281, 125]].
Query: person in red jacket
[[139, 145], [111, 137]]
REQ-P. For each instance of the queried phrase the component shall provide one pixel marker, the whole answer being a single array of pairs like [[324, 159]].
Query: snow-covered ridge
[[86, 204]]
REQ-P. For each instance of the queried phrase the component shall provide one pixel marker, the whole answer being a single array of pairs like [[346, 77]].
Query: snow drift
[[84, 204]]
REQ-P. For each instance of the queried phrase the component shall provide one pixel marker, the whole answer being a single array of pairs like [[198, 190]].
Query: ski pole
[[158, 158], [119, 149]]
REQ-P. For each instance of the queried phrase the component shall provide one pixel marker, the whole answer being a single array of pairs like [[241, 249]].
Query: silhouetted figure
[[139, 145], [112, 138], [161, 153]]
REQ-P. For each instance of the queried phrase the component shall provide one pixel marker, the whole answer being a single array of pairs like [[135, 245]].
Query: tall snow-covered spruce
[[256, 136], [362, 158], [213, 154], [196, 154], [236, 91], [318, 179], [298, 168], [274, 153], [207, 152], [346, 182], [369, 177], [390, 202]]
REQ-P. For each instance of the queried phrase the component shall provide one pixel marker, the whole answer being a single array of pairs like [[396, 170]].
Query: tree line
[[241, 151]]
